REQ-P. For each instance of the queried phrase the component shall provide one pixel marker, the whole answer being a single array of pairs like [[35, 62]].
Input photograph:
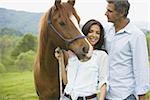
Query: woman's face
[[94, 34]]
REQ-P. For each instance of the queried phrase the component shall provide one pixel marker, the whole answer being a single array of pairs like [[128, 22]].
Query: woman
[[85, 79]]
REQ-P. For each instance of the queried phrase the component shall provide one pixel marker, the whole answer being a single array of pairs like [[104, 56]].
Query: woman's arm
[[59, 54], [103, 92], [103, 74]]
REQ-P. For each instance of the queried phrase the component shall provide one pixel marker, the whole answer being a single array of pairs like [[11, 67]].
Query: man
[[129, 75]]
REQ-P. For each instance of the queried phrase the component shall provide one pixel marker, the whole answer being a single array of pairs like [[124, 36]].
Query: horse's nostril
[[85, 49]]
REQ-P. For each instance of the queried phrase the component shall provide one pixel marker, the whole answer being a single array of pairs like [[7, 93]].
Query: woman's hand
[[59, 53]]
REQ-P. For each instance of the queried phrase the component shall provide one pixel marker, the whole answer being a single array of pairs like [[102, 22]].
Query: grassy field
[[17, 86], [20, 86]]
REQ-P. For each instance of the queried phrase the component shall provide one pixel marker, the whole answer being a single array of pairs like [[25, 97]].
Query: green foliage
[[25, 61], [23, 51], [7, 42], [147, 97], [2, 68], [28, 42], [148, 43], [8, 62], [9, 31], [17, 86]]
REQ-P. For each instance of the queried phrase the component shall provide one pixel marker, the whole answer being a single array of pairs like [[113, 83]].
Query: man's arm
[[141, 66]]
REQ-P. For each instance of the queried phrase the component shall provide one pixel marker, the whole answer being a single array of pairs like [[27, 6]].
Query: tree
[[25, 61], [9, 31], [7, 42], [28, 42]]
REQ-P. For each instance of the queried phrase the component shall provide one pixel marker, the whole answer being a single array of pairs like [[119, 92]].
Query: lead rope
[[58, 50], [60, 79]]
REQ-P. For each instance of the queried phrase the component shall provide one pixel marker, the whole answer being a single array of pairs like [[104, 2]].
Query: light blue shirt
[[128, 62]]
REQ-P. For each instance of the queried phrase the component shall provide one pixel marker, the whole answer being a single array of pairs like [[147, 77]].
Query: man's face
[[112, 14]]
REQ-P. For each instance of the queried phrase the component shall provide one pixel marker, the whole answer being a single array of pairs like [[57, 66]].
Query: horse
[[59, 27]]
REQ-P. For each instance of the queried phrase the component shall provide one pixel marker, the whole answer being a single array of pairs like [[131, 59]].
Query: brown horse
[[59, 28]]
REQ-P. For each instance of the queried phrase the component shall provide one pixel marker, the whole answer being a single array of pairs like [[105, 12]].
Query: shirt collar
[[127, 29]]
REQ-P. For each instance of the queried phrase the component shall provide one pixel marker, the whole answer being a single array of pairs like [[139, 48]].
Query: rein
[[67, 41]]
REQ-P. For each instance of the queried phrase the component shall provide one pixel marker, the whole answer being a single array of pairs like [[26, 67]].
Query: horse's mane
[[44, 33]]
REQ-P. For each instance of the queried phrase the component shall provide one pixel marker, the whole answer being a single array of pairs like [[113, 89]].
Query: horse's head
[[64, 21]]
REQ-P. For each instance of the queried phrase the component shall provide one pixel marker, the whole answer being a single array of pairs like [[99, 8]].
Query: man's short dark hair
[[121, 6]]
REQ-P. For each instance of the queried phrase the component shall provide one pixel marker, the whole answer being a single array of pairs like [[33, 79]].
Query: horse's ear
[[72, 2], [57, 2]]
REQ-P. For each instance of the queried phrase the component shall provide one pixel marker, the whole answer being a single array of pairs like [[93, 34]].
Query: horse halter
[[67, 41]]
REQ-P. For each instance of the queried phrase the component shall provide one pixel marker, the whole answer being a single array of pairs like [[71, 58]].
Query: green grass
[[17, 86], [20, 86]]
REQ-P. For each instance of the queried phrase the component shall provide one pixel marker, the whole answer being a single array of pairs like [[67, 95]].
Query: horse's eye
[[62, 23]]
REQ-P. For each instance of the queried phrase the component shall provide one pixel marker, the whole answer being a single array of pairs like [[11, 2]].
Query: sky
[[87, 9]]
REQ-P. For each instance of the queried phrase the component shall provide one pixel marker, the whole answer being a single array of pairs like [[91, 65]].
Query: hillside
[[20, 21]]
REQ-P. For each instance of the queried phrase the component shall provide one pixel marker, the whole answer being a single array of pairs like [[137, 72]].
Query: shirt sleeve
[[103, 69], [141, 65]]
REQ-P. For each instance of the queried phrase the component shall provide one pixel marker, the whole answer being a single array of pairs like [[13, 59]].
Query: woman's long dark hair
[[86, 28]]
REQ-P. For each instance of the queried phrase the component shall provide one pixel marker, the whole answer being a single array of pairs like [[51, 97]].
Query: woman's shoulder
[[100, 54], [101, 51]]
